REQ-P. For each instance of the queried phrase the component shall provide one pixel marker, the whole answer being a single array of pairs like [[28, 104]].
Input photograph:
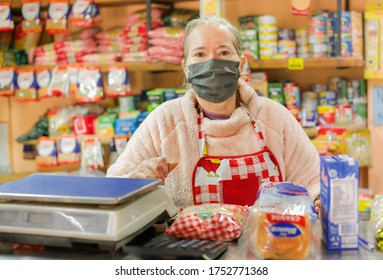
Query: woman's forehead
[[211, 33]]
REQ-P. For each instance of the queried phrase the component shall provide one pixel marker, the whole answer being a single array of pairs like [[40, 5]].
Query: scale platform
[[66, 211]]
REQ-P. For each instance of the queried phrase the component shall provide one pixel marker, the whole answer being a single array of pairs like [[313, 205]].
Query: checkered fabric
[[260, 165], [220, 222]]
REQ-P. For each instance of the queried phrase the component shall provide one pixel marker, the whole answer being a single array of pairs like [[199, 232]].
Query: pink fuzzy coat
[[170, 131]]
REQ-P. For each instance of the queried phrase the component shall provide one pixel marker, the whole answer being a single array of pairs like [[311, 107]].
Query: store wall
[[375, 176], [4, 109]]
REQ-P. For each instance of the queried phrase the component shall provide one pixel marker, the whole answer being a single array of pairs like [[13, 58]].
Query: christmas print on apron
[[232, 179]]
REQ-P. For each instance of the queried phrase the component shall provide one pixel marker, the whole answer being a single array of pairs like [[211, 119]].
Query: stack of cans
[[302, 42], [287, 45], [268, 36], [345, 28], [318, 36]]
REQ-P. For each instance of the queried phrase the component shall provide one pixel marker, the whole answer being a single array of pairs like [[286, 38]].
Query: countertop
[[238, 250]]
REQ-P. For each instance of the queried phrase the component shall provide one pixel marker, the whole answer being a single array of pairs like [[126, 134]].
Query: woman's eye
[[199, 54], [225, 52]]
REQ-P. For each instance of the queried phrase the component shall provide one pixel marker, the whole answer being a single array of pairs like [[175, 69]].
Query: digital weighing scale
[[66, 211]]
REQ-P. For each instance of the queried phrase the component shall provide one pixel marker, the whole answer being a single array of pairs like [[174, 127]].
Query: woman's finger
[[152, 168]]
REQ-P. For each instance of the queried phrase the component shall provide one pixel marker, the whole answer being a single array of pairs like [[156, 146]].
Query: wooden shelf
[[131, 66], [331, 62], [312, 132], [254, 64], [108, 3]]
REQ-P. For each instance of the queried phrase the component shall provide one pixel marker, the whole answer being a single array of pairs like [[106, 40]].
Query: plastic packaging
[[279, 225], [377, 220], [220, 222]]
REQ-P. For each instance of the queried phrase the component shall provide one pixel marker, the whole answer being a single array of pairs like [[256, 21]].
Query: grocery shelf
[[312, 132], [331, 62], [105, 3], [131, 66], [254, 64]]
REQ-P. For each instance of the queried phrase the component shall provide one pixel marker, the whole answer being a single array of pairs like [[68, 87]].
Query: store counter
[[236, 251]]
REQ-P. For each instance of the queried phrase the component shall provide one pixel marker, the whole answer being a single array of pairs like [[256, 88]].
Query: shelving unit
[[166, 74], [309, 63]]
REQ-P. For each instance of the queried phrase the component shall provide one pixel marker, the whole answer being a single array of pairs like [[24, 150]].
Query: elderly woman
[[222, 139]]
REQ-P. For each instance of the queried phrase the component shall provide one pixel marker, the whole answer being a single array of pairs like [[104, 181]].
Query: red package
[[221, 222]]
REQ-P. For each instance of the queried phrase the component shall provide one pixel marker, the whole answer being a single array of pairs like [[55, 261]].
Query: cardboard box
[[339, 181]]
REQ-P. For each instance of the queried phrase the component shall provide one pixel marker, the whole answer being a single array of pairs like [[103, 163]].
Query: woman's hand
[[157, 168]]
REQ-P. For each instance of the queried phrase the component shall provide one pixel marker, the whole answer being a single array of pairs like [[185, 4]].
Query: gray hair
[[208, 21]]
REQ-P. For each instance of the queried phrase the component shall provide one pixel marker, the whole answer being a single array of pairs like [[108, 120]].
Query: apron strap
[[201, 135]]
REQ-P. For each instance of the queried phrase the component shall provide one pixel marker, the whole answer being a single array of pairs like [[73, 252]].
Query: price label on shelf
[[295, 64]]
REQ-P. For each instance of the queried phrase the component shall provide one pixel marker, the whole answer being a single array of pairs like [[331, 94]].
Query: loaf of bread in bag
[[281, 236]]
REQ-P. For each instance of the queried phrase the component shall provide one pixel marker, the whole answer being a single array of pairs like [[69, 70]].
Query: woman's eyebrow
[[223, 46], [198, 48]]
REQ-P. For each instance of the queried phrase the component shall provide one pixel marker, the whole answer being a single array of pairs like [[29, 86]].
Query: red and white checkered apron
[[232, 179]]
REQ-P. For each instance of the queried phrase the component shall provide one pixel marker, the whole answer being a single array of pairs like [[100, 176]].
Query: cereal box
[[339, 198]]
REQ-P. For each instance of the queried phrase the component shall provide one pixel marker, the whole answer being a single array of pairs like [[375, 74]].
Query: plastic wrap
[[220, 222], [279, 225], [377, 221]]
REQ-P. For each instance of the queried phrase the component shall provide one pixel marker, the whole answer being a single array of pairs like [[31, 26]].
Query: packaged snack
[[57, 16], [7, 76], [6, 19], [26, 85], [279, 225], [43, 79], [221, 222], [46, 152], [118, 83], [92, 155], [59, 85], [68, 149], [377, 221], [358, 146], [90, 85], [30, 11]]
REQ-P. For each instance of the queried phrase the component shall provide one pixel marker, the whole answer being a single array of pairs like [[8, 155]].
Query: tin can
[[327, 98], [309, 117], [292, 95], [286, 34], [326, 115], [310, 100], [319, 87]]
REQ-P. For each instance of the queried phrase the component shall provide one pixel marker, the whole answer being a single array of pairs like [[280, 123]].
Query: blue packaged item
[[339, 202], [125, 126], [141, 117], [169, 94]]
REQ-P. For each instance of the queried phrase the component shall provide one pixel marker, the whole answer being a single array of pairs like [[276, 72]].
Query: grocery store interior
[[75, 84]]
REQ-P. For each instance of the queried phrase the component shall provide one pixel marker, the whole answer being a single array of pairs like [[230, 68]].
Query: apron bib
[[232, 179]]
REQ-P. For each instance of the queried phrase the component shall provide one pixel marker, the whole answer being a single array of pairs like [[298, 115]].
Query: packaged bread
[[279, 224], [218, 222]]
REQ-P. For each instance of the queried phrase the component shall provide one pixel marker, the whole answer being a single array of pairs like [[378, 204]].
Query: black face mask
[[214, 80]]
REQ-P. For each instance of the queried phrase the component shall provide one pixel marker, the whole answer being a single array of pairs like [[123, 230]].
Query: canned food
[[292, 95], [327, 98]]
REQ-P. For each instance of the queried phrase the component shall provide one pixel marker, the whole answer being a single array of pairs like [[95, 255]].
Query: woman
[[221, 139]]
